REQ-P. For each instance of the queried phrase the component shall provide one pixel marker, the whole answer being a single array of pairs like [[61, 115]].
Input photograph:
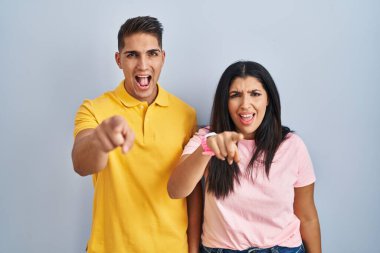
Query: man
[[129, 139]]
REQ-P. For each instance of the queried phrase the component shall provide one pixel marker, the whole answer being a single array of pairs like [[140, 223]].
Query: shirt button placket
[[146, 125]]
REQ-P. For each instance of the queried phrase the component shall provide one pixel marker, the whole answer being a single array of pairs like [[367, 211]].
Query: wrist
[[96, 142], [206, 149]]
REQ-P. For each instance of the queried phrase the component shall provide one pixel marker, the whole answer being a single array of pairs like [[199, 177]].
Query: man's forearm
[[87, 156]]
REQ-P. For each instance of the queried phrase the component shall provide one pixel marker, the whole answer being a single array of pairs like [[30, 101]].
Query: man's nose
[[143, 62]]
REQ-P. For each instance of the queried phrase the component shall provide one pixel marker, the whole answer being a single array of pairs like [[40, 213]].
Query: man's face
[[141, 60]]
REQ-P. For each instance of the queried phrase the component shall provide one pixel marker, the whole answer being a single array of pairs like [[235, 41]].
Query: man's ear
[[117, 59], [163, 55]]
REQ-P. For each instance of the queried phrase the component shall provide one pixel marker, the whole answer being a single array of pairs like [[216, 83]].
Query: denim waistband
[[275, 249]]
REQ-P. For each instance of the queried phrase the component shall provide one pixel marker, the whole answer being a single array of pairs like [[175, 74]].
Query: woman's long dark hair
[[268, 136]]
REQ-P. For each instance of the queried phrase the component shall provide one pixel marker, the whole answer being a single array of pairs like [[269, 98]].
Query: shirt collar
[[162, 98]]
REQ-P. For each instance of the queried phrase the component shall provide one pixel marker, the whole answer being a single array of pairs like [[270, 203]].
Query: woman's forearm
[[311, 236], [187, 174]]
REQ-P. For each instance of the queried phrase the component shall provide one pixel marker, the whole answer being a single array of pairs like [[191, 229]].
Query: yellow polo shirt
[[132, 210]]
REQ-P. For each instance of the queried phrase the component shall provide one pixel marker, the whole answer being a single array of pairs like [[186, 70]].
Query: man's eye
[[153, 53], [131, 55]]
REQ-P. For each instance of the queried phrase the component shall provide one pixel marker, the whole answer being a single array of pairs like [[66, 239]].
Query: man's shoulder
[[181, 106], [106, 97], [178, 102], [101, 106]]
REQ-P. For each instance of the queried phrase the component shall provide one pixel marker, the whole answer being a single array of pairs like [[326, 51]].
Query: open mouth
[[247, 118], [143, 81]]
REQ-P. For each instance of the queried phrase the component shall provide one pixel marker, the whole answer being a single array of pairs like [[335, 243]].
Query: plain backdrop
[[323, 55]]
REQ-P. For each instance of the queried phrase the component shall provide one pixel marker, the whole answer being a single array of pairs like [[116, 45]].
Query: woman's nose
[[246, 102]]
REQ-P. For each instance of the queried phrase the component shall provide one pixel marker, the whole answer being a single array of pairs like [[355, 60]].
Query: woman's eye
[[255, 94], [234, 95]]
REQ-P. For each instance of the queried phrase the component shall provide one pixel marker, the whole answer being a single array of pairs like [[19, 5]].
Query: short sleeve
[[306, 175], [195, 141], [85, 118], [193, 126]]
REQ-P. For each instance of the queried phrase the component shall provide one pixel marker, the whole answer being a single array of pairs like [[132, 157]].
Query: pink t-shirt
[[259, 213]]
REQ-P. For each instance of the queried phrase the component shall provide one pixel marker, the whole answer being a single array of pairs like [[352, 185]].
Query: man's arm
[[91, 146], [195, 214], [304, 209], [87, 156]]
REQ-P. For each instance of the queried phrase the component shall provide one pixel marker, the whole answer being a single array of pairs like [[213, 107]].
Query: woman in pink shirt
[[258, 174]]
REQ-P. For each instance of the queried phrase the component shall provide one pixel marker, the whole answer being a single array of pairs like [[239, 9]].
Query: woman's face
[[247, 104]]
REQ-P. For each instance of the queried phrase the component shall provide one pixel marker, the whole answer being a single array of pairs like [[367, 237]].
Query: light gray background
[[323, 55]]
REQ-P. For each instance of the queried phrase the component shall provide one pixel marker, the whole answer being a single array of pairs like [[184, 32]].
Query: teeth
[[143, 80], [246, 116]]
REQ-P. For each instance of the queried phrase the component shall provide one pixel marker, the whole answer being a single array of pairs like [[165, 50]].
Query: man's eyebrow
[[132, 51], [148, 51], [154, 50]]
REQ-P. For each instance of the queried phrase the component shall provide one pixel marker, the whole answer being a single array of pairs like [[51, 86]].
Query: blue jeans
[[275, 249]]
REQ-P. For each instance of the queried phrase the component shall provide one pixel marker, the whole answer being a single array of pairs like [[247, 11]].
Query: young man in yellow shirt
[[129, 139]]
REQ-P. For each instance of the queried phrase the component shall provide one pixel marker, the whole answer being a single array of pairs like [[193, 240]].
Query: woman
[[258, 174]]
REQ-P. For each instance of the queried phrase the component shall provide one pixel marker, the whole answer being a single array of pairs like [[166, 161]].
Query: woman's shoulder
[[293, 140], [292, 136]]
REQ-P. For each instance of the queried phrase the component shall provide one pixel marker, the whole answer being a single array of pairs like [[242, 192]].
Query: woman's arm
[[187, 174], [304, 209], [191, 168], [195, 214]]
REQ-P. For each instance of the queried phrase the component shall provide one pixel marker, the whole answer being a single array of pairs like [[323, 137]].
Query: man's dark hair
[[144, 24]]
